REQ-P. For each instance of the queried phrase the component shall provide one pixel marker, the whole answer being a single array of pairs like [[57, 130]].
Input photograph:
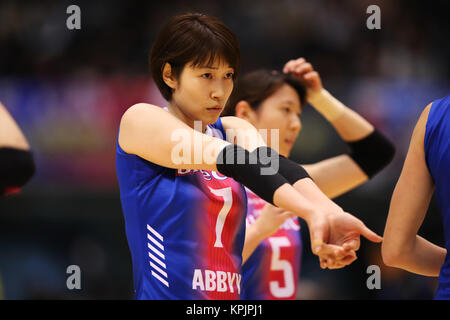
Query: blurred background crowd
[[67, 89]]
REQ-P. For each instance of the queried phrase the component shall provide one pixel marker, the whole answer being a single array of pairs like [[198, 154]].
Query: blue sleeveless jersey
[[185, 228], [437, 155]]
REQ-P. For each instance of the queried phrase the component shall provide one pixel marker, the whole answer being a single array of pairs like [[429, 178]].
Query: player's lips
[[215, 109]]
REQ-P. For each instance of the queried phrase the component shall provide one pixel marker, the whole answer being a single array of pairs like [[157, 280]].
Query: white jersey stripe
[[157, 276], [156, 234], [154, 266], [159, 245], [155, 251], [162, 264]]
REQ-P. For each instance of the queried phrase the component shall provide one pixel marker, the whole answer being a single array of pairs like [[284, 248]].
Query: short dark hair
[[192, 37], [258, 85]]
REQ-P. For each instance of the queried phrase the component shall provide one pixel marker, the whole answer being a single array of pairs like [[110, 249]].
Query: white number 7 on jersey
[[227, 196]]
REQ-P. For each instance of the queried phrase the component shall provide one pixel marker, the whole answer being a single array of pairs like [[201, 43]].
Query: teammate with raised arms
[[272, 99]]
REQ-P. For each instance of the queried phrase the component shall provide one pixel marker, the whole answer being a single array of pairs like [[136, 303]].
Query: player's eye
[[207, 75], [229, 75]]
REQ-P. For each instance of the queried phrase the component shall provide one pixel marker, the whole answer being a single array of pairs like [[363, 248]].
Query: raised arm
[[371, 152], [402, 247], [159, 137]]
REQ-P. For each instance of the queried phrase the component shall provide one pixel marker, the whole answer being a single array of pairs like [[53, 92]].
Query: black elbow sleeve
[[263, 171], [16, 167], [372, 153], [289, 169], [259, 175]]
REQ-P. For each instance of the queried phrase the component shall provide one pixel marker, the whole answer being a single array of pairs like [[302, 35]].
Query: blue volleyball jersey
[[437, 156], [185, 228], [272, 271]]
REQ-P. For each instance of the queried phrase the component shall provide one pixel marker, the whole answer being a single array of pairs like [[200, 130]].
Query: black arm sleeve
[[248, 169], [16, 167], [289, 169], [372, 153], [263, 171]]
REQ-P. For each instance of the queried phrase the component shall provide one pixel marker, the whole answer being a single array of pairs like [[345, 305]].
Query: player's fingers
[[330, 250], [304, 68], [330, 262], [336, 265], [317, 238], [352, 244], [295, 62], [345, 255], [369, 234], [288, 66], [340, 253], [348, 260], [310, 75]]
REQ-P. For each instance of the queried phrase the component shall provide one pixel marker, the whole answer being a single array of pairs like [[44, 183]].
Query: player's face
[[202, 92], [281, 111]]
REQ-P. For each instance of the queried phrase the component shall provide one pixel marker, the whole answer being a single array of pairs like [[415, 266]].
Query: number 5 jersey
[[272, 271]]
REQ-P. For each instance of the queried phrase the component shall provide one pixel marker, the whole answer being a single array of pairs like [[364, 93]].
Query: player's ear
[[168, 76], [245, 111]]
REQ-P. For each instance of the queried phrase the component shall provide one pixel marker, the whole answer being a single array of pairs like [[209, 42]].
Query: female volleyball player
[[270, 99], [426, 170], [16, 160], [181, 181]]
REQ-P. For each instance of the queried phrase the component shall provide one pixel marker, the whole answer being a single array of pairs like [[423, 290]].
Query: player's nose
[[295, 123], [217, 91]]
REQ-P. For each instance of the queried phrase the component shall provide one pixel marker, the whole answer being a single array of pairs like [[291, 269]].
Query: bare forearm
[[289, 198], [424, 258], [253, 238], [348, 124], [402, 247], [312, 193], [335, 176]]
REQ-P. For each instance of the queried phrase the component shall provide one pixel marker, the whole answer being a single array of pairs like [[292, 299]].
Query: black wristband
[[250, 170], [289, 169], [372, 153]]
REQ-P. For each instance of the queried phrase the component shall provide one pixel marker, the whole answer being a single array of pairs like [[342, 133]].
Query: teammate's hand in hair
[[304, 71]]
